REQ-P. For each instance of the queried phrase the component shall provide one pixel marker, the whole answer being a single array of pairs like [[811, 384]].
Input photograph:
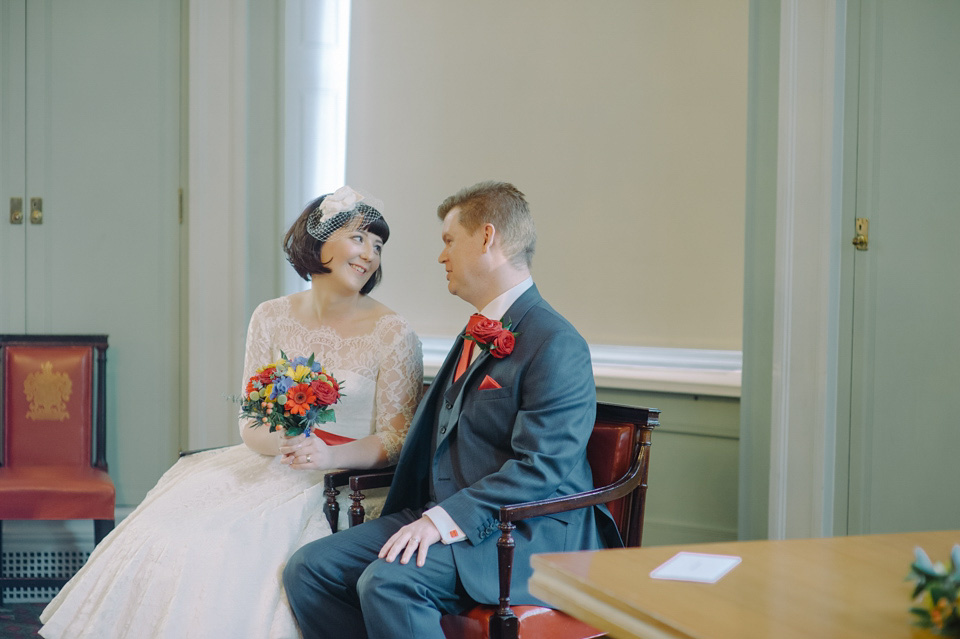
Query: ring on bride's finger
[[308, 459], [415, 540]]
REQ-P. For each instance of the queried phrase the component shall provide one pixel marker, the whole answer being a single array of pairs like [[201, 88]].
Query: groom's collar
[[499, 305]]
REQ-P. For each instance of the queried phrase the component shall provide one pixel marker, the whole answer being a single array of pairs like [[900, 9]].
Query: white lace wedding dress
[[202, 555]]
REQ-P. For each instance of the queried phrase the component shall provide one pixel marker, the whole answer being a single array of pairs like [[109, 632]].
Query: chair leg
[[357, 512], [332, 509], [101, 528], [504, 624], [504, 627], [1, 564]]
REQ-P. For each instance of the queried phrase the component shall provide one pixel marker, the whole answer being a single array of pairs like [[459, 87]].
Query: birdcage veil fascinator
[[345, 208]]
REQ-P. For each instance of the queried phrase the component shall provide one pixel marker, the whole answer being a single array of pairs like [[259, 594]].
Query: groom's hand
[[417, 536]]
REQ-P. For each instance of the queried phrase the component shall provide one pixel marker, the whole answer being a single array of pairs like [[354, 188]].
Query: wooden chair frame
[[632, 486]]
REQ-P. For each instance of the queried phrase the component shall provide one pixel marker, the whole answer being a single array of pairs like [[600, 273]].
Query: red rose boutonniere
[[493, 336]]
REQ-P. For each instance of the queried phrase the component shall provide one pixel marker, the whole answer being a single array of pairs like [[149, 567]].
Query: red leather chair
[[619, 455], [53, 435]]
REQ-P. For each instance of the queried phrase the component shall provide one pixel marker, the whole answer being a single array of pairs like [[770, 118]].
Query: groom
[[506, 420]]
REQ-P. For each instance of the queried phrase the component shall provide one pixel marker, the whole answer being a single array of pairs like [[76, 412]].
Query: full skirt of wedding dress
[[202, 556]]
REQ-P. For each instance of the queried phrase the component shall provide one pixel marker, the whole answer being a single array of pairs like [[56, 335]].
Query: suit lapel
[[453, 394]]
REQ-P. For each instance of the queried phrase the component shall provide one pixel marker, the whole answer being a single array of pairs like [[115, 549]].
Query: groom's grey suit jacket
[[472, 450]]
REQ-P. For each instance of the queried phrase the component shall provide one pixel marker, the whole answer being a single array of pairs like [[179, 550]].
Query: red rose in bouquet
[[327, 391]]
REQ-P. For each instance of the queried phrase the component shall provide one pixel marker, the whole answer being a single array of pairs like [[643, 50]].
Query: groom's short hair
[[503, 205]]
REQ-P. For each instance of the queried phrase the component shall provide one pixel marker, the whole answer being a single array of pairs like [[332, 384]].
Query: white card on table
[[695, 566]]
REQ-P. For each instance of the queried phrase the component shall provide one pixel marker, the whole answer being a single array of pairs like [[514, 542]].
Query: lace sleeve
[[399, 385], [258, 351]]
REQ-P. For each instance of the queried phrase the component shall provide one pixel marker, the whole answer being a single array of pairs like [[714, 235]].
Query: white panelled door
[[905, 378], [90, 129]]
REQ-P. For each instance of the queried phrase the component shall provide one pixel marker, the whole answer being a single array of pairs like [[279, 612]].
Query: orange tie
[[468, 345]]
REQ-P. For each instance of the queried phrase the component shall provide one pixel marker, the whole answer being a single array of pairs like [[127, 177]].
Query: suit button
[[443, 429], [449, 405]]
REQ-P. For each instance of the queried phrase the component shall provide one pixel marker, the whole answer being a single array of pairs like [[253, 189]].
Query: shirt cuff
[[450, 532]]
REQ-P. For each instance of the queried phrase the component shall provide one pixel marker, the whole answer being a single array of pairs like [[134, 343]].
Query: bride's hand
[[305, 453]]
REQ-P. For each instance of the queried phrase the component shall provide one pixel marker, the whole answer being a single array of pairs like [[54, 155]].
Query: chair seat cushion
[[55, 492], [535, 622]]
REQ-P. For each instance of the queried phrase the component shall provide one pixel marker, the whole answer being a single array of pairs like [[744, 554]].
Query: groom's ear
[[489, 235]]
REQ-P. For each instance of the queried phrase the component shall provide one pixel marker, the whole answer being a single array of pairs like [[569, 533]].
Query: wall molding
[[53, 535], [686, 371], [657, 532]]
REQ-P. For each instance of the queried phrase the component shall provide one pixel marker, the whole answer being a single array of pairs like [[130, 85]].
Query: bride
[[202, 555]]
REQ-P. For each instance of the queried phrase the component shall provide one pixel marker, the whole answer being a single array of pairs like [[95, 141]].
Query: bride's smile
[[354, 254]]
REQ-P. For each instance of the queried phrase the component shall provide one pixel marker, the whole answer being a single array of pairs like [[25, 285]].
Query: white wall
[[623, 121]]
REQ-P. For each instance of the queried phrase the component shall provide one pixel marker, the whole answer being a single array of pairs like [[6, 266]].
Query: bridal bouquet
[[937, 593], [292, 395]]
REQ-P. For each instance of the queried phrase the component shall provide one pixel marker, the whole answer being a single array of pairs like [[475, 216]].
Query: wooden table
[[840, 587]]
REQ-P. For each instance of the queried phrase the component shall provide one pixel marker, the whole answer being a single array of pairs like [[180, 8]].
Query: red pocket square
[[488, 383]]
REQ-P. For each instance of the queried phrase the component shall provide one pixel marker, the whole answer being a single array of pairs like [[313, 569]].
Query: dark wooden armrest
[[184, 453], [595, 497], [340, 477], [368, 480]]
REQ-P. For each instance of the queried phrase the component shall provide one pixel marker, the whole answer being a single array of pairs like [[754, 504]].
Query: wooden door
[[904, 410], [99, 86], [13, 150]]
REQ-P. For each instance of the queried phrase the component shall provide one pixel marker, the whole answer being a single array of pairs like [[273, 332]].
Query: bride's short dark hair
[[303, 250]]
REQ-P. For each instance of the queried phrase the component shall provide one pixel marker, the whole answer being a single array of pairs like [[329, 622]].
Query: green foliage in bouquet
[[936, 593]]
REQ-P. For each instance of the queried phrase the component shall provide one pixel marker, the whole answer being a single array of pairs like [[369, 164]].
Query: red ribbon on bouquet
[[331, 439]]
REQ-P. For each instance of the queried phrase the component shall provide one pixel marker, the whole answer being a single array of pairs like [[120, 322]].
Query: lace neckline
[[329, 331]]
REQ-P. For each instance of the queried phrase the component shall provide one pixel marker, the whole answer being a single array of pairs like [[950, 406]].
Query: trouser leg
[[406, 600], [321, 578]]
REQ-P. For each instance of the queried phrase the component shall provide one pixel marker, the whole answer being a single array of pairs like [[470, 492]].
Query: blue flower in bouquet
[[315, 367], [281, 386]]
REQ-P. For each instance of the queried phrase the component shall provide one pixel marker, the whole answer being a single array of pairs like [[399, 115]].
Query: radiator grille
[[39, 564]]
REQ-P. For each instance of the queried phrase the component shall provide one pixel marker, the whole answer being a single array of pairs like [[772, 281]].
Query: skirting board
[[69, 535], [670, 533], [687, 371]]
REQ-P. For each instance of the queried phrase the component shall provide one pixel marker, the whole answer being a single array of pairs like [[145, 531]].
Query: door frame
[[804, 310], [234, 188]]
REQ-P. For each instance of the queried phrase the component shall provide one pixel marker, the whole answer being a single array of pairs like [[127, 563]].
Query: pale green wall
[[692, 486]]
